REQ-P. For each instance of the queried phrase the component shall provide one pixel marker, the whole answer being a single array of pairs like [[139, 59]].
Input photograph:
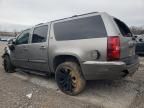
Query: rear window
[[125, 31], [82, 28]]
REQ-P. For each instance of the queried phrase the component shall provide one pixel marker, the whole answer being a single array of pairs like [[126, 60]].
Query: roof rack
[[84, 14], [75, 16], [68, 17], [39, 24]]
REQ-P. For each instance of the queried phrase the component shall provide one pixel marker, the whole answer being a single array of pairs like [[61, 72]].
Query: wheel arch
[[6, 52], [62, 58]]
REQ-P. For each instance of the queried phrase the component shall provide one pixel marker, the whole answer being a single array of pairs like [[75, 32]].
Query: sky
[[32, 12]]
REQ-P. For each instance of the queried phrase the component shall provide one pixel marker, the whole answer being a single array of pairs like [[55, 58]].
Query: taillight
[[113, 48]]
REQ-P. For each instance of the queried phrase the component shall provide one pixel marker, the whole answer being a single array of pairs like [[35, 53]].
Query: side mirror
[[140, 40], [11, 44], [12, 41]]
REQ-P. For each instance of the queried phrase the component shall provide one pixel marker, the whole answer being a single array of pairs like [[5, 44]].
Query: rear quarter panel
[[81, 49], [113, 30]]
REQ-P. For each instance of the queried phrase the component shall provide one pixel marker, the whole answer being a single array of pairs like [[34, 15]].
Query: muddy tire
[[8, 67], [69, 78]]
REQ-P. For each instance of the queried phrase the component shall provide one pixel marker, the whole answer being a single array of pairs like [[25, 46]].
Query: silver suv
[[83, 47]]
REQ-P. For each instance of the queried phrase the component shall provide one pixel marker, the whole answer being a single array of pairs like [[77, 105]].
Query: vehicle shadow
[[141, 55], [98, 92], [93, 87]]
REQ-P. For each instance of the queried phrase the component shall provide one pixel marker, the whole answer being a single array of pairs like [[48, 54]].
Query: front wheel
[[69, 78], [8, 67]]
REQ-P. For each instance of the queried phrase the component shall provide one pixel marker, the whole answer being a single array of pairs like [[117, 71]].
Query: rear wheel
[[8, 67], [69, 78]]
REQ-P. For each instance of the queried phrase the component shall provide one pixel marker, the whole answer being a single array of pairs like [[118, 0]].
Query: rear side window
[[125, 31], [40, 34], [82, 28]]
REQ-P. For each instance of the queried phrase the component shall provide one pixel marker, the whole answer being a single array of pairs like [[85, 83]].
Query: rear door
[[38, 49], [127, 43]]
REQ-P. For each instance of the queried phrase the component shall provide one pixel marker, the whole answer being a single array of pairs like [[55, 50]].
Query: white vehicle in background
[[3, 39], [140, 45], [6, 38], [140, 38]]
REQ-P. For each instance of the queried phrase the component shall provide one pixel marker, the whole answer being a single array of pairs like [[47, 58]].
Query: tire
[[69, 78], [8, 67]]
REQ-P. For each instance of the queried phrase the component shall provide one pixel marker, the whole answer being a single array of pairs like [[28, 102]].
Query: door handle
[[25, 48], [42, 47]]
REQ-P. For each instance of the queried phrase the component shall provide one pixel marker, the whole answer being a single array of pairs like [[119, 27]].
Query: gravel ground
[[14, 90], [126, 93]]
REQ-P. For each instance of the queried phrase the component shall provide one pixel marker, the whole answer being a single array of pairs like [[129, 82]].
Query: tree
[[137, 30], [15, 33]]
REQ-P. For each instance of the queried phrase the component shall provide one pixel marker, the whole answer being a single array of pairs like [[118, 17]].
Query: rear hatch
[[127, 43]]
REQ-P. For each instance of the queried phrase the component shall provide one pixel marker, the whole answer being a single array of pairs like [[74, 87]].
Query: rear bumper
[[108, 70]]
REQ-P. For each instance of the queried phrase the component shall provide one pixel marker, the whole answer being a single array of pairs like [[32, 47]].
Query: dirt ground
[[22, 90]]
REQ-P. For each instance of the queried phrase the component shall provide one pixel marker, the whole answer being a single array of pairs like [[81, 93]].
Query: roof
[[69, 17]]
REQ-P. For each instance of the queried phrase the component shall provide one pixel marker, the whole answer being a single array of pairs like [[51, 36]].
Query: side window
[[40, 34], [81, 28], [123, 28], [23, 38]]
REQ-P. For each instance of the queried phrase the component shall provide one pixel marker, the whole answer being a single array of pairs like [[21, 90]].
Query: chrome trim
[[104, 63], [37, 61]]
